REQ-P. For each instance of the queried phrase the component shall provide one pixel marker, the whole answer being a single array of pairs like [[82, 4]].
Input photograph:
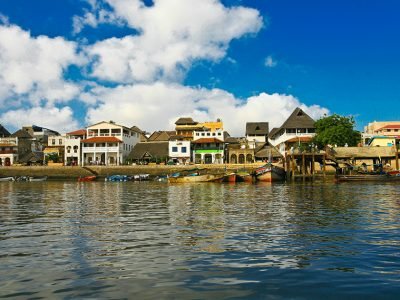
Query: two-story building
[[208, 146], [297, 130], [179, 151], [55, 148], [73, 148], [108, 143], [8, 151]]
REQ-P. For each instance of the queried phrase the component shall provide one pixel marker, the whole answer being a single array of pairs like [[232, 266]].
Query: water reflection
[[73, 240]]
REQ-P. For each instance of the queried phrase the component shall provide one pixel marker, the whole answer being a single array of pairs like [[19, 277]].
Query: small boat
[[118, 178], [44, 178], [195, 178], [87, 178], [270, 173], [243, 176], [141, 177], [7, 178], [231, 177]]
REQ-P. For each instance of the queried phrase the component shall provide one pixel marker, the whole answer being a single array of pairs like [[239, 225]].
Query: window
[[183, 149], [219, 133], [60, 142], [53, 141], [208, 134], [174, 149], [75, 149], [202, 134], [213, 134], [68, 149]]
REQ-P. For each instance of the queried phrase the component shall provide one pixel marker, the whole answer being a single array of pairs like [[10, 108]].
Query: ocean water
[[149, 240]]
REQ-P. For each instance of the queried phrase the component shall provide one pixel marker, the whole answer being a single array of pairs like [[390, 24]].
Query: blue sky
[[239, 60]]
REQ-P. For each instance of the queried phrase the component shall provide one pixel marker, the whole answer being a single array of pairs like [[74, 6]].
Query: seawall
[[64, 172]]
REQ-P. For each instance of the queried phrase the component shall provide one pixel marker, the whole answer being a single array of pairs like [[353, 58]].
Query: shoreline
[[68, 172]]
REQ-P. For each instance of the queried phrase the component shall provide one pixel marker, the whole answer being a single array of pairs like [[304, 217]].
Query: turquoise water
[[146, 240]]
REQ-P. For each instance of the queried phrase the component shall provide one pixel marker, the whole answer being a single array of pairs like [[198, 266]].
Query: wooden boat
[[44, 178], [195, 178], [231, 177], [244, 177], [87, 178], [270, 173], [7, 178]]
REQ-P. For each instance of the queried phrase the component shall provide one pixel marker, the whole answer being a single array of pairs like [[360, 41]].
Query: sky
[[67, 64]]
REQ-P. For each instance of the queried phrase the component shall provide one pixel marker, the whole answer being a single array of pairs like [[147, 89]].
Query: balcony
[[8, 151], [99, 149], [287, 136]]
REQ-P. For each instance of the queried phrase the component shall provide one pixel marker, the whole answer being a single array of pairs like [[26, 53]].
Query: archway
[[241, 158], [208, 159], [249, 158], [7, 162], [233, 159]]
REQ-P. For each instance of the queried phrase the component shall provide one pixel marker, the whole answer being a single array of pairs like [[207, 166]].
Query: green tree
[[336, 130]]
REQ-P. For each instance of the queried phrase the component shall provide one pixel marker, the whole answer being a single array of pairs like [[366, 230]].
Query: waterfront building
[[383, 128], [296, 132], [238, 150], [208, 146], [108, 143], [8, 150], [29, 149], [179, 151], [147, 152], [73, 148], [257, 132], [186, 127], [55, 148]]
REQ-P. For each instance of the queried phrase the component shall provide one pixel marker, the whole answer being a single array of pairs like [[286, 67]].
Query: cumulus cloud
[[34, 66], [157, 106], [269, 62], [60, 119], [172, 34]]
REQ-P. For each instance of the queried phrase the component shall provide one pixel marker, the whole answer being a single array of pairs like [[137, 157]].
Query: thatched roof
[[265, 150], [159, 136], [273, 131], [185, 121], [363, 152], [257, 128], [149, 149], [299, 119], [4, 132]]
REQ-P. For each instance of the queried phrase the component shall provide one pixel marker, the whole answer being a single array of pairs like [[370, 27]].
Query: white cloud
[[270, 62], [172, 35], [157, 106], [60, 119], [34, 66]]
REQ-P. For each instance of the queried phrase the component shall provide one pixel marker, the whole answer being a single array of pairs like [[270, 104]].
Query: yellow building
[[382, 141]]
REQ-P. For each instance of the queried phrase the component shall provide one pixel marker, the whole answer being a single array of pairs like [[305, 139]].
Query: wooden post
[[303, 166], [312, 165], [293, 167], [397, 158], [323, 165]]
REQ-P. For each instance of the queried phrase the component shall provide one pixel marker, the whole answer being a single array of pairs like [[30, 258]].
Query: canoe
[[270, 173], [141, 177], [7, 179], [195, 178], [87, 178]]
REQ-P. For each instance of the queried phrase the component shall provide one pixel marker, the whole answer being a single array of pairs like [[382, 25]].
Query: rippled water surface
[[201, 241]]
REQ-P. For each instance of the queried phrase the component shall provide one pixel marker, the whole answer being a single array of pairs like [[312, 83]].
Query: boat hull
[[87, 178], [198, 178], [270, 173]]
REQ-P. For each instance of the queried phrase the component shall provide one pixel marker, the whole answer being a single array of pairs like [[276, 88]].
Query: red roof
[[102, 139], [390, 127], [207, 140], [78, 132]]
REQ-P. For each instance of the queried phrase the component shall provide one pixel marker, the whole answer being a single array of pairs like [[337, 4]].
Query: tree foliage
[[336, 130]]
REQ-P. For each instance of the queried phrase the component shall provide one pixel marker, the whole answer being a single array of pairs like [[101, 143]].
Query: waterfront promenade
[[67, 172]]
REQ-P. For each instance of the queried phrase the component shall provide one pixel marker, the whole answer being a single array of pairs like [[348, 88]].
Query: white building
[[73, 149], [8, 151], [256, 133], [108, 143], [296, 130], [179, 151]]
